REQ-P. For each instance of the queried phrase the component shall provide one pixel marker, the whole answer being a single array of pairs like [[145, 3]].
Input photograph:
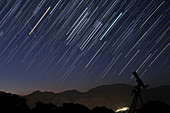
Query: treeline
[[14, 103]]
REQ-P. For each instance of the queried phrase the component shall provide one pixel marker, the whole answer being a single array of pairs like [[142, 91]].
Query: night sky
[[56, 45]]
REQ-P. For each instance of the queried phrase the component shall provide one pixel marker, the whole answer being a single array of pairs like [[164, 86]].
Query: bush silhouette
[[45, 108], [10, 103]]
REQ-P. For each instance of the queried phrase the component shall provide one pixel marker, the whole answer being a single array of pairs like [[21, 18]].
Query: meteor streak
[[39, 21]]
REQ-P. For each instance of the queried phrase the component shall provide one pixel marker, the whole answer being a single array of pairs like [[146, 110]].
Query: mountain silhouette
[[100, 99], [111, 96]]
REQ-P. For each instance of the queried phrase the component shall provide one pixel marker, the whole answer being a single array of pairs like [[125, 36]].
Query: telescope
[[139, 81], [137, 92]]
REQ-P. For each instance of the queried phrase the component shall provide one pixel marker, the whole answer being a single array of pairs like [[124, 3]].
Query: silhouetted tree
[[12, 103], [45, 108]]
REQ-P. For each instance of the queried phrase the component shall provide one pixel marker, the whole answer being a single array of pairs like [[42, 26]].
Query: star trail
[[64, 44]]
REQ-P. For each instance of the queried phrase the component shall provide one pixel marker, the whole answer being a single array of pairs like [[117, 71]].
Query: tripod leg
[[133, 105], [141, 99], [143, 106]]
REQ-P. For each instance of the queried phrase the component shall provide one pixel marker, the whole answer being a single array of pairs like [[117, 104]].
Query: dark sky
[[56, 45]]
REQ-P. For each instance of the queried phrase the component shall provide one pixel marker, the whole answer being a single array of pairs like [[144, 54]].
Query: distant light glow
[[122, 109]]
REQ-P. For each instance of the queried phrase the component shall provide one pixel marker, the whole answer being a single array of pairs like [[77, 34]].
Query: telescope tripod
[[137, 96]]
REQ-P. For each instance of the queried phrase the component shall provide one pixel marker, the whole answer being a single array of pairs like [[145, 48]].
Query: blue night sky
[[56, 45]]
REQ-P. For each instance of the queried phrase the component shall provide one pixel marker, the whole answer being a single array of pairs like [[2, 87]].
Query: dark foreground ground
[[14, 103]]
